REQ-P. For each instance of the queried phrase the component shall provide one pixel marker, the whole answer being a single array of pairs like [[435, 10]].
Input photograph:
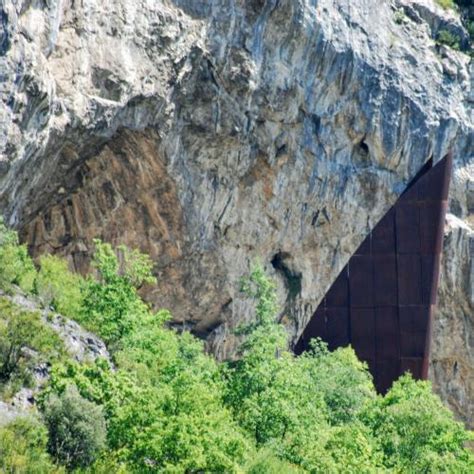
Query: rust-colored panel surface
[[429, 278], [431, 227], [365, 248], [338, 295], [383, 235], [337, 327], [412, 365], [361, 281], [363, 332], [383, 300], [408, 227], [385, 280], [387, 371], [409, 279], [387, 332]]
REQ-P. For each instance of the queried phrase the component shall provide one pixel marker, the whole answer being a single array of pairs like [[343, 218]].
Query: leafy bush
[[399, 17], [448, 39], [267, 462], [76, 428], [16, 266], [25, 342], [416, 432], [167, 406], [58, 287], [470, 29], [176, 423], [296, 406], [112, 307], [23, 448], [446, 4]]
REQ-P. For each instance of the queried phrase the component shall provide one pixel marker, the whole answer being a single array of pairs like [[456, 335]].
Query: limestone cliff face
[[209, 133]]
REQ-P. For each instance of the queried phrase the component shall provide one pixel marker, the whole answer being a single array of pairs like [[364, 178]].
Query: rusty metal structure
[[382, 302]]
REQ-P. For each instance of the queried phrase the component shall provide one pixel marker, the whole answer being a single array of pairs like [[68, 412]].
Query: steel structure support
[[383, 301]]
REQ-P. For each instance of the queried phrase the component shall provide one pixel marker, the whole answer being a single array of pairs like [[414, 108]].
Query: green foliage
[[136, 268], [23, 448], [178, 425], [25, 342], [342, 380], [16, 266], [267, 462], [470, 29], [76, 428], [399, 16], [446, 4], [166, 406], [448, 39], [112, 307], [58, 287], [294, 405], [416, 432]]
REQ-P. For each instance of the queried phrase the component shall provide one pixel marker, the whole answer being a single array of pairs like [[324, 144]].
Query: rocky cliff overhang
[[209, 133]]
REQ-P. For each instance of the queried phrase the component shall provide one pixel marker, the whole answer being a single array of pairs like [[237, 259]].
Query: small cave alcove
[[291, 278]]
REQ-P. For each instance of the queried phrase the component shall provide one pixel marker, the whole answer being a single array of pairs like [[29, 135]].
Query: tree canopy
[[165, 405]]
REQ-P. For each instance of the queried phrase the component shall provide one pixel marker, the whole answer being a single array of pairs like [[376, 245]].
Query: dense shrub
[[25, 342], [16, 267], [58, 287], [173, 423], [267, 462], [76, 428], [416, 433], [305, 409], [111, 306], [23, 448], [446, 4], [448, 39], [166, 406]]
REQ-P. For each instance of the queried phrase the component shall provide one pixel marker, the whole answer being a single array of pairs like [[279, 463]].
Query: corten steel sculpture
[[383, 301]]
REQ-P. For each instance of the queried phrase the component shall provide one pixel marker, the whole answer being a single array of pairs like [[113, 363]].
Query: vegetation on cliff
[[167, 406], [466, 10]]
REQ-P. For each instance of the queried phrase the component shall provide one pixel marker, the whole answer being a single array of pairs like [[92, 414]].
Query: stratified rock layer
[[209, 133]]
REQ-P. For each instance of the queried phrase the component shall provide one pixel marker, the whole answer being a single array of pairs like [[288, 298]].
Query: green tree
[[416, 432], [173, 421], [112, 307], [169, 407], [76, 427], [16, 266], [267, 462], [290, 404], [446, 4], [449, 39], [58, 287], [23, 448]]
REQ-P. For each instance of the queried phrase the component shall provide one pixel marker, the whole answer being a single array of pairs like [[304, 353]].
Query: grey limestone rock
[[210, 133]]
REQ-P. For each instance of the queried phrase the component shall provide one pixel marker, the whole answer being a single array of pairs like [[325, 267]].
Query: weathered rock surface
[[209, 133], [452, 364], [80, 345]]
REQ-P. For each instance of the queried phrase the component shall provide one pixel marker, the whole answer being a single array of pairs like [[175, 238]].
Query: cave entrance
[[383, 301]]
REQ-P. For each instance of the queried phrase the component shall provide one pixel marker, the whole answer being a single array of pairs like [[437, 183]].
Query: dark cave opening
[[292, 279]]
